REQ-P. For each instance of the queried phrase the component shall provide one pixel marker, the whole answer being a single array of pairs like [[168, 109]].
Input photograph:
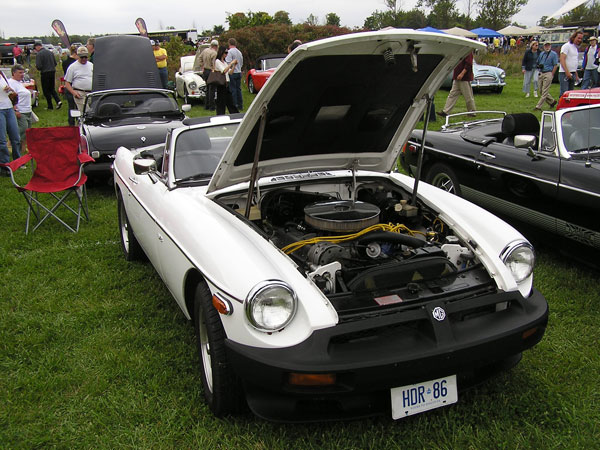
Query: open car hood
[[343, 102]]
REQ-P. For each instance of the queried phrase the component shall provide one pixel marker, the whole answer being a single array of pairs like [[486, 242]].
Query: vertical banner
[[60, 29], [141, 26]]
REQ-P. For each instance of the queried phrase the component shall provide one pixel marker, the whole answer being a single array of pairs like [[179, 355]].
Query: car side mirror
[[186, 107], [142, 166], [525, 141]]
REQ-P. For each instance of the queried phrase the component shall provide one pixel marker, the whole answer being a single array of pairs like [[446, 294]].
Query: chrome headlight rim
[[254, 294], [510, 251], [192, 85]]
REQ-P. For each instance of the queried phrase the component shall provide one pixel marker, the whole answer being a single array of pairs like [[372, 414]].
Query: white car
[[321, 285], [189, 85]]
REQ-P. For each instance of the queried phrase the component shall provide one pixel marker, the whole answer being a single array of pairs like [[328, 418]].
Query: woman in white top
[[223, 93], [23, 107], [8, 124]]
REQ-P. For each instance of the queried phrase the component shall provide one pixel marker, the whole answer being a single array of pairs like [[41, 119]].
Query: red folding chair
[[58, 173]]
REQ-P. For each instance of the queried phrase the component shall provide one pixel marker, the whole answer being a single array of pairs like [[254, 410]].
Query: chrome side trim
[[539, 220]]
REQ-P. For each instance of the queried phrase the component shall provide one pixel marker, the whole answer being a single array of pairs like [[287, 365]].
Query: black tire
[[222, 389], [251, 88], [186, 98], [499, 89], [132, 249], [443, 177]]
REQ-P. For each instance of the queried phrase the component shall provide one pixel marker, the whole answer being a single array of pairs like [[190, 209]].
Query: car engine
[[373, 250]]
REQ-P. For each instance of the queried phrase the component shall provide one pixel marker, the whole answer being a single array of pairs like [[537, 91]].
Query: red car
[[265, 66], [579, 97]]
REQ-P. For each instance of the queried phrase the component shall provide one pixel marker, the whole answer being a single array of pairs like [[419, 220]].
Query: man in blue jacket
[[547, 64], [590, 56]]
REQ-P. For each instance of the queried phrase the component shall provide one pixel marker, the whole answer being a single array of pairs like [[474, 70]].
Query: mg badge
[[143, 138], [438, 313]]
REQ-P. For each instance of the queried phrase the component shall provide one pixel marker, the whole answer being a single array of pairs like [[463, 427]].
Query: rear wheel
[[443, 177], [129, 244], [251, 87], [222, 389]]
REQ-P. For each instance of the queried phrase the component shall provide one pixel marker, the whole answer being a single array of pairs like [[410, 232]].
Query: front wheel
[[442, 176], [222, 389], [186, 96], [251, 87], [132, 250], [499, 89]]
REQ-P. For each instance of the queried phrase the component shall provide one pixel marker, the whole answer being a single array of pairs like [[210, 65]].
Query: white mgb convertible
[[321, 283]]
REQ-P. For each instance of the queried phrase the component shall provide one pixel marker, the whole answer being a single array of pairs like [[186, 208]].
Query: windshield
[[581, 130], [271, 63], [199, 150], [135, 103]]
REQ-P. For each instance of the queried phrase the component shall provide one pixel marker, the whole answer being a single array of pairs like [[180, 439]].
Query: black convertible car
[[126, 106], [544, 175]]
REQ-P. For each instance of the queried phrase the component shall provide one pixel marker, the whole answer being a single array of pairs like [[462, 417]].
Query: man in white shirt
[[569, 54], [78, 79]]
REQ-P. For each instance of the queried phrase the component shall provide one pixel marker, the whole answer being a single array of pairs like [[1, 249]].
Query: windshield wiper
[[196, 177], [591, 148]]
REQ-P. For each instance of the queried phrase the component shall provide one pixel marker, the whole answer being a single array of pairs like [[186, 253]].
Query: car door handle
[[160, 238], [488, 155], [133, 180]]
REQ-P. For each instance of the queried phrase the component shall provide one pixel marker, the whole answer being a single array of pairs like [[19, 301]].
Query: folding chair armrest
[[15, 164], [84, 158]]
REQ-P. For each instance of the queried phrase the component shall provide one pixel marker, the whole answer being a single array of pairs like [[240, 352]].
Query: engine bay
[[365, 246]]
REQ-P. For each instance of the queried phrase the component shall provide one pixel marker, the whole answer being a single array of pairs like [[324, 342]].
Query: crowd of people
[[539, 66]]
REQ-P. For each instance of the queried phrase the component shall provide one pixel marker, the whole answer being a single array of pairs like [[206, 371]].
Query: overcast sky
[[95, 17]]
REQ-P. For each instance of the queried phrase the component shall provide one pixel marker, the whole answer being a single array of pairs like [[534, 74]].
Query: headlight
[[270, 306], [193, 85], [502, 75], [520, 259]]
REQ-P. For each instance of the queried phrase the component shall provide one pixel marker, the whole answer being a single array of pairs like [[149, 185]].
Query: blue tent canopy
[[486, 32], [431, 29]]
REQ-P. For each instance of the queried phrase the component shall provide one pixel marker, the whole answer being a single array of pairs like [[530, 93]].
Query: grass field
[[94, 352]]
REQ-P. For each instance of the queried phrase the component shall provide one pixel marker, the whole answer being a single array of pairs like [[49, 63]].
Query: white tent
[[571, 4], [512, 30], [456, 31], [533, 31]]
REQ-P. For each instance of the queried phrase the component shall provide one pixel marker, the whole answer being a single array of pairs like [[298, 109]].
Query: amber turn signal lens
[[529, 332], [222, 305], [312, 379]]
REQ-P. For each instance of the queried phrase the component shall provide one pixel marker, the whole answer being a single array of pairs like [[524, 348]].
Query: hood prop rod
[[413, 200], [254, 173]]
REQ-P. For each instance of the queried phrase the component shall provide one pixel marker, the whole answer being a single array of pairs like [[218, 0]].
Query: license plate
[[416, 398]]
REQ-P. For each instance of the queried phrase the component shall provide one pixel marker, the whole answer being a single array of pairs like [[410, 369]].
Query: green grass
[[94, 353]]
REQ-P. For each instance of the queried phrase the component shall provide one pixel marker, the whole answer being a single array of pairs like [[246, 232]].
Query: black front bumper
[[370, 355]]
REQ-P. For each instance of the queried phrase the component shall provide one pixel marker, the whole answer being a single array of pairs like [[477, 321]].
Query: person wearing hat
[[547, 64], [208, 63], [78, 79], [160, 55], [46, 64], [590, 72]]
